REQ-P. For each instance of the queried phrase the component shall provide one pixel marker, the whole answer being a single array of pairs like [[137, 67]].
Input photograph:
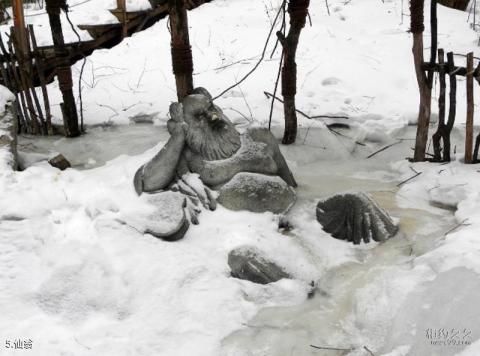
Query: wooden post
[[182, 61], [19, 23], [417, 27], [121, 5], [298, 11], [64, 72], [470, 103], [441, 109], [452, 106], [433, 40]]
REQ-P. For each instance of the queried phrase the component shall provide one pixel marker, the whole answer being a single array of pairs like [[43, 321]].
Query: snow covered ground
[[77, 280]]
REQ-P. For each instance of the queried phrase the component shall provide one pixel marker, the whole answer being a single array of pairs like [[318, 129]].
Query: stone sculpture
[[355, 217], [205, 152]]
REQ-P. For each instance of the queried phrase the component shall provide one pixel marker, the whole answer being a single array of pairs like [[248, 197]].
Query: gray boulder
[[355, 217], [168, 221], [247, 263], [256, 192]]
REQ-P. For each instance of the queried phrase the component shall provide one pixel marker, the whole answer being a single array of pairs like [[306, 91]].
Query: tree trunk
[[182, 61], [417, 28], [298, 11], [64, 72]]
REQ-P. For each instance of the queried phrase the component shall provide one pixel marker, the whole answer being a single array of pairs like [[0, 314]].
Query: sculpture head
[[210, 133]]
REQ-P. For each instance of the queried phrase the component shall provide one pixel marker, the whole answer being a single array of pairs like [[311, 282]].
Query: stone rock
[[168, 221], [257, 193], [60, 162], [355, 217], [247, 263]]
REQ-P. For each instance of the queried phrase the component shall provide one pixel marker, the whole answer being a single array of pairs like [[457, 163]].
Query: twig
[[268, 95], [275, 91], [143, 72], [383, 149], [330, 117], [261, 57], [328, 8], [330, 348], [457, 226], [368, 350], [409, 179]]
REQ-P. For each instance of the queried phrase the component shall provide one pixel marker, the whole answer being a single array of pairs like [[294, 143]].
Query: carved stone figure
[[205, 143], [355, 217]]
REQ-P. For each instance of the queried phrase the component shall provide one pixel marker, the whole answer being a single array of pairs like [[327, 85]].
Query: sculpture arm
[[160, 170]]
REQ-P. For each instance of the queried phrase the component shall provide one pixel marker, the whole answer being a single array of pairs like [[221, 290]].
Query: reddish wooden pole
[[19, 24], [182, 61], [470, 103]]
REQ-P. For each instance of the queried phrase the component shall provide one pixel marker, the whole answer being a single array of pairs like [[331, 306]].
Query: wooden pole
[[14, 47], [19, 23], [441, 109], [121, 5], [64, 72], [40, 66], [298, 11], [470, 110], [433, 39], [452, 108], [417, 27], [182, 61]]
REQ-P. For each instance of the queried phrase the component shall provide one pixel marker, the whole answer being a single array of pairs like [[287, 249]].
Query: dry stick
[[409, 179], [275, 92], [279, 71], [282, 30], [369, 351], [330, 117], [261, 57], [328, 8], [469, 122], [268, 95], [41, 76], [29, 72], [426, 153], [330, 348], [383, 149], [456, 227], [18, 87], [14, 48]]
